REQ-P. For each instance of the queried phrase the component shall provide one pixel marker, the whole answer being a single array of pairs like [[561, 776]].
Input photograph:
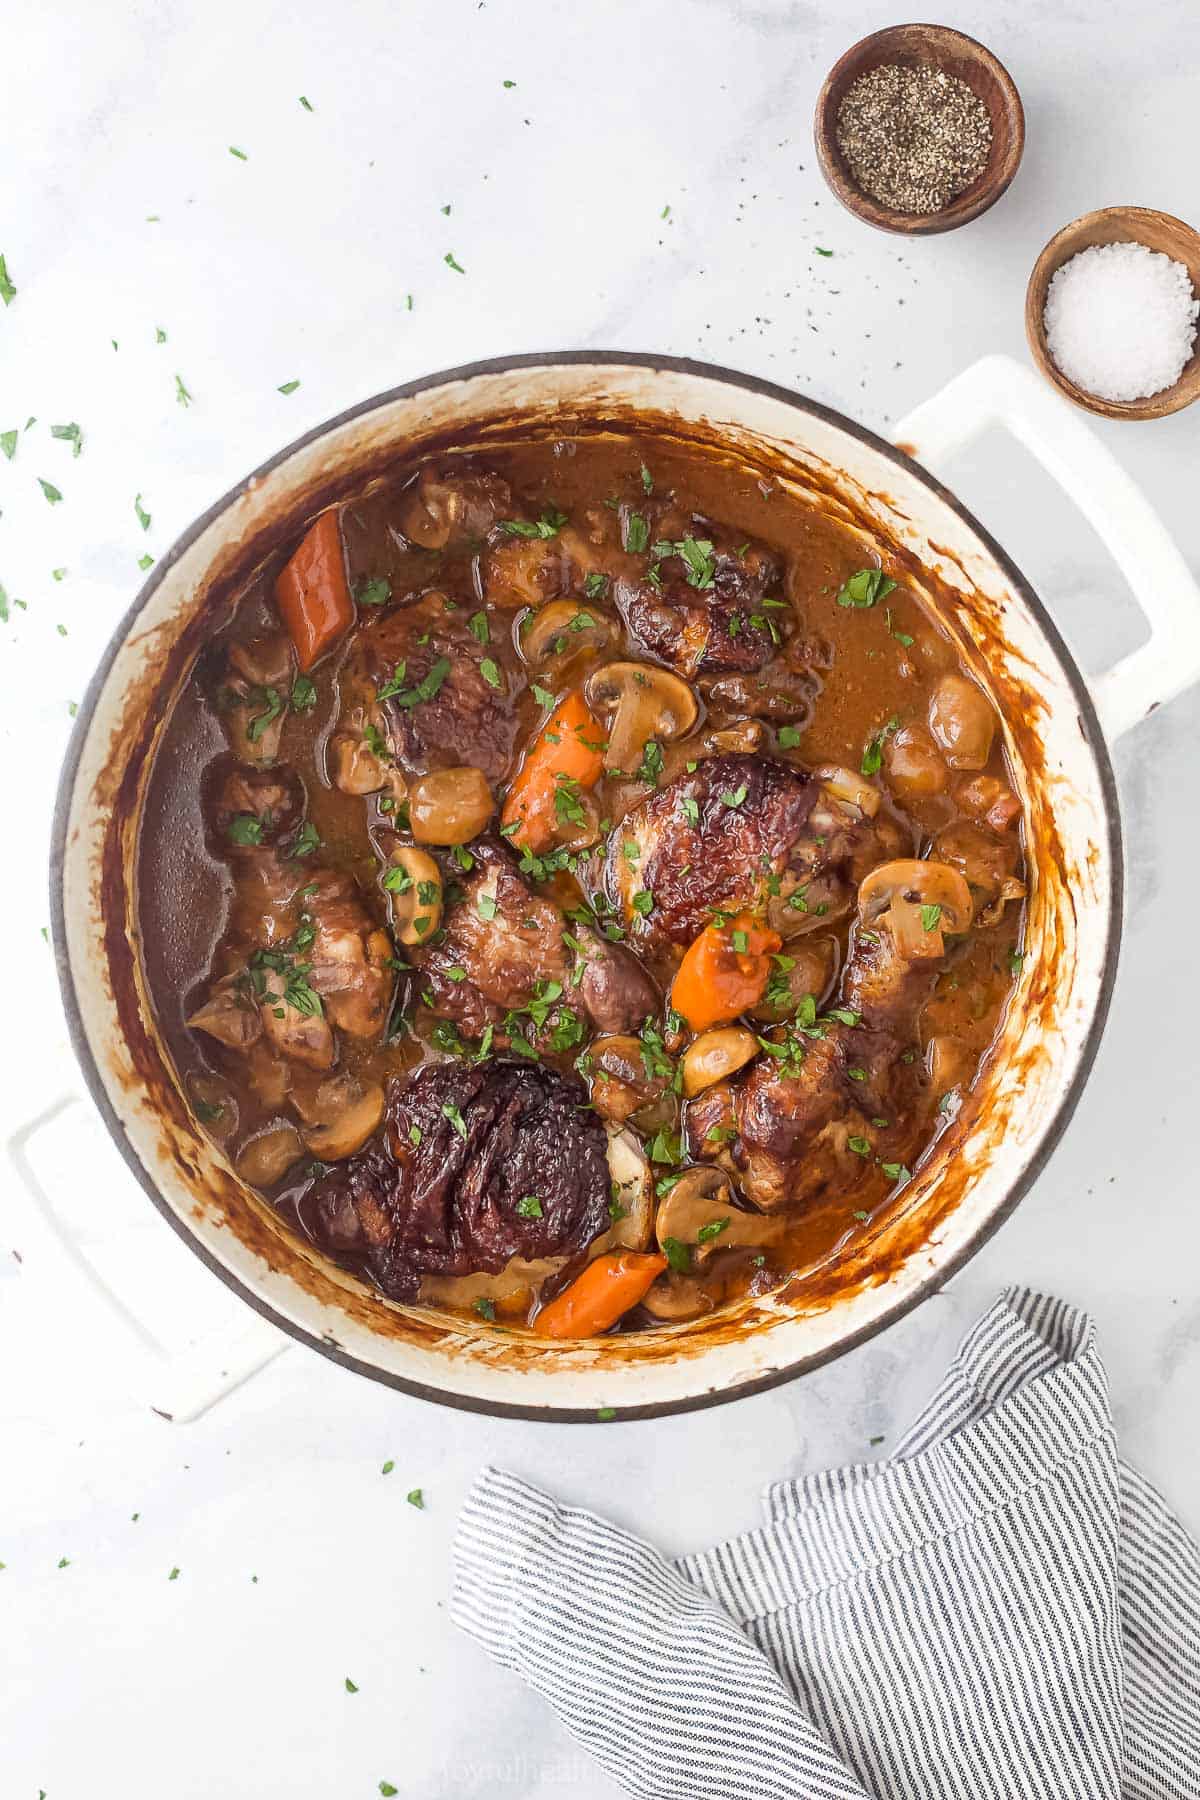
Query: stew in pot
[[577, 887]]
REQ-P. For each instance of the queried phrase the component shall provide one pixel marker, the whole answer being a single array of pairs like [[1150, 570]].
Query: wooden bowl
[[1114, 225], [910, 46]]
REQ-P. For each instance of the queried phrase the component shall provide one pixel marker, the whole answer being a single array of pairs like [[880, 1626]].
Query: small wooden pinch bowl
[[956, 54], [1114, 225]]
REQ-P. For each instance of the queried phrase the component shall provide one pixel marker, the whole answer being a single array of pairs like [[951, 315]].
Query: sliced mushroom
[[510, 1291], [632, 1196], [620, 1082], [354, 767], [922, 901], [561, 628], [674, 1298], [346, 1113], [645, 703], [699, 1211], [414, 888], [854, 790], [450, 806], [267, 1158], [715, 1055]]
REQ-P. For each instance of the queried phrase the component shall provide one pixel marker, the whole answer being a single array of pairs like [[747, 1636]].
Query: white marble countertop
[[299, 1563]]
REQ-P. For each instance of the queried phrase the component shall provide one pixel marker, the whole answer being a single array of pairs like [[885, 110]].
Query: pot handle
[[181, 1385], [998, 391]]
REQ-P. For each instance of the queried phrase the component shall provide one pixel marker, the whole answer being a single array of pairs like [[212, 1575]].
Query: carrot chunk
[[596, 1299], [569, 750], [724, 971], [312, 593]]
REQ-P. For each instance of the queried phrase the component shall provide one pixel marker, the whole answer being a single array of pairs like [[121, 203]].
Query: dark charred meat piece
[[417, 672], [446, 1187], [252, 807], [448, 505], [707, 841], [807, 1122], [783, 690], [707, 614], [527, 571]]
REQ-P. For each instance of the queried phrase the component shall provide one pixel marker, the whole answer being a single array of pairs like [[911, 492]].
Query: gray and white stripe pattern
[[1004, 1611]]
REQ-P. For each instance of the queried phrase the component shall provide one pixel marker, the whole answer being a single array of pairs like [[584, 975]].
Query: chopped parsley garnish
[[272, 704], [789, 737], [896, 1172], [713, 1229], [8, 292], [605, 1413], [529, 1207], [240, 154], [244, 828], [426, 688], [308, 839], [71, 433], [491, 673], [929, 917], [548, 526], [416, 1497], [451, 263], [647, 480], [643, 902], [486, 1310], [651, 765], [872, 756], [736, 797], [697, 554], [287, 387], [143, 517], [859, 1145], [477, 625], [637, 533], [596, 585], [1016, 960], [374, 592], [48, 488], [304, 694], [8, 443], [678, 1255], [182, 394], [543, 696], [451, 1112], [351, 1686], [865, 588]]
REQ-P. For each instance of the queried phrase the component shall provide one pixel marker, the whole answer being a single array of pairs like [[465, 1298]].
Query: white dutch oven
[[1056, 739]]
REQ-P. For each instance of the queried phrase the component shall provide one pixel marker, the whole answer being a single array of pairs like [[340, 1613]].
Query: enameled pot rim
[[1093, 736]]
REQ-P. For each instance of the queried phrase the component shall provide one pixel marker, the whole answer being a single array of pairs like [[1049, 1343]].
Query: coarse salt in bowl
[[1120, 321]]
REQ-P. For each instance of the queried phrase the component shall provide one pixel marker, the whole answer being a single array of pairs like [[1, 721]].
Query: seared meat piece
[[449, 505], [708, 614], [253, 696], [783, 690], [438, 1191], [708, 841], [292, 1024], [416, 673], [805, 1123], [525, 571], [251, 807], [350, 955], [505, 949], [741, 833]]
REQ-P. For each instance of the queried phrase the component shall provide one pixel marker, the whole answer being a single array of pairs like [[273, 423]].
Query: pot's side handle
[[999, 391], [178, 1385]]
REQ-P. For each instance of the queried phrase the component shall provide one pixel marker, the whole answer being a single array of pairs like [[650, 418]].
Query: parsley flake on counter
[[58, 574], [51, 492], [306, 103], [450, 263], [174, 1575], [143, 517], [71, 434], [605, 1413], [64, 1562], [416, 1497], [388, 1466], [8, 292], [8, 443], [508, 84], [821, 252], [351, 1686], [146, 561], [240, 154], [287, 387], [182, 392], [387, 1790]]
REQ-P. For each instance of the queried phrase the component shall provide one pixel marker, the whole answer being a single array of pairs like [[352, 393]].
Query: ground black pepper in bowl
[[913, 138]]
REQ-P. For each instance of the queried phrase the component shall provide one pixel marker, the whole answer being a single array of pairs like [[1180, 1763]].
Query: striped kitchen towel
[[1004, 1611]]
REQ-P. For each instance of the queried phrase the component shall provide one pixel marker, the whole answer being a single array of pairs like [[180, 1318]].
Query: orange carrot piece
[[312, 593], [720, 976], [596, 1299], [570, 748]]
